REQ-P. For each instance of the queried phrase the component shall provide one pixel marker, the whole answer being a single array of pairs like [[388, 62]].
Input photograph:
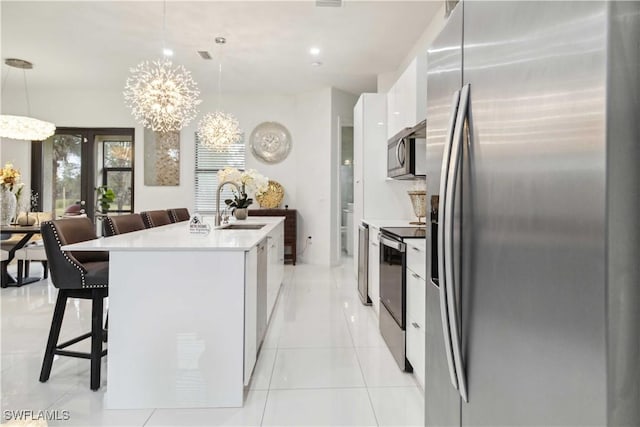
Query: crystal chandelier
[[162, 97], [24, 127], [219, 130]]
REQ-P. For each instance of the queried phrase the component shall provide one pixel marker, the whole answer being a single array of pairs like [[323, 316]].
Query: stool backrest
[[121, 224], [155, 218], [179, 214], [66, 267]]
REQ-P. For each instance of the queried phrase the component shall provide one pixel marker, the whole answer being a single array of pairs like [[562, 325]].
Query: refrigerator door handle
[[442, 221], [452, 303]]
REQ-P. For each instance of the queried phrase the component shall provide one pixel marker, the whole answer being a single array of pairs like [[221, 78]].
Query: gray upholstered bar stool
[[155, 218], [76, 274], [121, 224], [179, 214]]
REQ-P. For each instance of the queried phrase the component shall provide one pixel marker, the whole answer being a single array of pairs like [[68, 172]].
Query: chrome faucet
[[217, 221]]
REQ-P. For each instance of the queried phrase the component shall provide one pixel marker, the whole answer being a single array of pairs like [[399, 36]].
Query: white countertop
[[176, 237]]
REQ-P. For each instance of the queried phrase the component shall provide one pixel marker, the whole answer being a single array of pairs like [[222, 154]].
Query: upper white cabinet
[[407, 98]]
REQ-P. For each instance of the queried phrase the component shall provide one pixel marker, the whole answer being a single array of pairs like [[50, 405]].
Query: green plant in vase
[[106, 196]]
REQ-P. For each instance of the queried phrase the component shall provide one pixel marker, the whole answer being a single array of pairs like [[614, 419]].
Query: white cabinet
[[407, 98], [416, 300], [374, 268], [373, 197], [275, 262]]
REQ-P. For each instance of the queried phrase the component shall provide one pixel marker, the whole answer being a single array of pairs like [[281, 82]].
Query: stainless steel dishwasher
[[261, 326], [363, 264]]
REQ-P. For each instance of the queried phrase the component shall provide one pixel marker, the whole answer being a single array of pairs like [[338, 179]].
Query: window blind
[[208, 163]]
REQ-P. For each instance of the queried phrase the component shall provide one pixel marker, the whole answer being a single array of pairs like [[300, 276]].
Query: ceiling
[[85, 45]]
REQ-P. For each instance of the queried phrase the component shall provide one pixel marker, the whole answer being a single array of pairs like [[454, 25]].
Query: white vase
[[7, 206]]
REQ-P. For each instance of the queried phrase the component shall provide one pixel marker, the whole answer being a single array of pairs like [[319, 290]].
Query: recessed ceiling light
[[167, 52], [315, 51], [316, 63]]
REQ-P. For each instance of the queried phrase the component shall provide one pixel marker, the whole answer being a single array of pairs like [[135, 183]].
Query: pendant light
[[24, 128], [162, 97], [218, 130]]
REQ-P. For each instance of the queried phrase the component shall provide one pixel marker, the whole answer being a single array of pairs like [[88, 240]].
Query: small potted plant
[[106, 196], [246, 180]]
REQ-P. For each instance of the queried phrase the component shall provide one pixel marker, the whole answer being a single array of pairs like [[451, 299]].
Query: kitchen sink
[[243, 227]]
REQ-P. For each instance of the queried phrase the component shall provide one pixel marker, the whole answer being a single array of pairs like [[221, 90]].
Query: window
[[117, 172], [208, 163]]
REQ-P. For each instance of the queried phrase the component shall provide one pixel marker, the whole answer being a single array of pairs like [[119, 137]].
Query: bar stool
[[179, 214], [121, 224], [155, 218], [76, 274]]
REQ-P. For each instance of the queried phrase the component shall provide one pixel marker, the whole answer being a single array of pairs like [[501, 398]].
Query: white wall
[[305, 174], [17, 153], [386, 80]]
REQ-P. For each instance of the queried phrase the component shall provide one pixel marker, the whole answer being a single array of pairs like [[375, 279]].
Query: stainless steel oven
[[393, 289]]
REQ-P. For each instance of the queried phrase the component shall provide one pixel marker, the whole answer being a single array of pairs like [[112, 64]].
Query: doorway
[[346, 191], [69, 166]]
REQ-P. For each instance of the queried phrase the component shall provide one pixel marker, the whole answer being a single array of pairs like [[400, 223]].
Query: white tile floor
[[323, 363]]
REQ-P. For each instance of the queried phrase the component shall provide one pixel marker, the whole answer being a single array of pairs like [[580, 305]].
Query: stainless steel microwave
[[407, 153]]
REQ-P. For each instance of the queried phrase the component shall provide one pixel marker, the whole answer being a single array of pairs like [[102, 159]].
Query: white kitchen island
[[184, 310]]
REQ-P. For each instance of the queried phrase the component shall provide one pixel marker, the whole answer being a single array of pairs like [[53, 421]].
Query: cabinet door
[[416, 299], [374, 269]]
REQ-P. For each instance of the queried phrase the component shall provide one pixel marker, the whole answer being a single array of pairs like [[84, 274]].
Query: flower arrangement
[[249, 180], [10, 177]]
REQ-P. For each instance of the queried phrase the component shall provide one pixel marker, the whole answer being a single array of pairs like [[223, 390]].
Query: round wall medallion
[[272, 197], [270, 142]]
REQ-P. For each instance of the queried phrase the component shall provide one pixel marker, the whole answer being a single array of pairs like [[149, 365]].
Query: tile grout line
[[364, 380], [149, 417]]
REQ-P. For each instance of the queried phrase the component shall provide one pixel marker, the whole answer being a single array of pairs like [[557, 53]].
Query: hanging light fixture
[[162, 97], [24, 127], [219, 130]]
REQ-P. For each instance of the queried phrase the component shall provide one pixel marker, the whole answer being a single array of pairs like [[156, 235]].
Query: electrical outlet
[[309, 239]]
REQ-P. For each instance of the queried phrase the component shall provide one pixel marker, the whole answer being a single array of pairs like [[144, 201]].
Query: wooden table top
[[19, 228]]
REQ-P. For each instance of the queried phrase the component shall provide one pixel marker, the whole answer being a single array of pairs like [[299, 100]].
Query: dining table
[[28, 231]]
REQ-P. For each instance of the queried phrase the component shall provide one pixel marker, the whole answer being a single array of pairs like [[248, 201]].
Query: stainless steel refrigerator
[[533, 154]]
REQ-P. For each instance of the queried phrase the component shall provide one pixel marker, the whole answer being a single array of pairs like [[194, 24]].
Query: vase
[[419, 203], [7, 206], [240, 213]]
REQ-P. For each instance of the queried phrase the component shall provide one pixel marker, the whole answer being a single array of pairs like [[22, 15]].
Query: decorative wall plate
[[272, 197], [270, 142]]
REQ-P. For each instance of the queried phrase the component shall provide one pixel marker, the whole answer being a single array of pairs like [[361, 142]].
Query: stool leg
[[26, 268], [96, 340], [45, 267], [20, 272], [54, 333]]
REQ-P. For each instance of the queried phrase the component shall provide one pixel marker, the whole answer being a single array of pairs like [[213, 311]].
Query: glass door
[[75, 161], [64, 189]]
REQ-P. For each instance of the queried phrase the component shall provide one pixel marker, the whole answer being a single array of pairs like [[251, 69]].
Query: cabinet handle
[[415, 249], [374, 244], [417, 276], [415, 325]]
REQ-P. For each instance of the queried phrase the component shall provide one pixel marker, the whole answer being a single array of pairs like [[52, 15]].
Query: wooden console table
[[290, 229]]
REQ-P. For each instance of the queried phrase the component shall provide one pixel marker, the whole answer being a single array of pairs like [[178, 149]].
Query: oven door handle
[[443, 221], [399, 246], [452, 302]]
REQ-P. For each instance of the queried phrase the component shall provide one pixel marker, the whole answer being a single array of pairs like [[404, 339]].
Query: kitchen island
[[187, 312]]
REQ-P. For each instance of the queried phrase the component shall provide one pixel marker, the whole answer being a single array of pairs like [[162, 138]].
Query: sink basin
[[243, 227]]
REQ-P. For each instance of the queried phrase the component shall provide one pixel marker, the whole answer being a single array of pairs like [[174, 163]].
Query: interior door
[[444, 78]]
